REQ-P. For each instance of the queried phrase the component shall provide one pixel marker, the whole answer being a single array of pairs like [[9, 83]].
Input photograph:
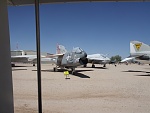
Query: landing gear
[[12, 65], [55, 69], [84, 65], [73, 71], [33, 64], [104, 65], [93, 66]]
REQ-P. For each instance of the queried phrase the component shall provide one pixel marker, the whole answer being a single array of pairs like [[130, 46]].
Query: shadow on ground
[[18, 69], [148, 75], [81, 75], [139, 72], [96, 67], [136, 71], [77, 72]]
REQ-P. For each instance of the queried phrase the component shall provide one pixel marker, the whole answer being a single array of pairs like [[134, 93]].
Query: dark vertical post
[[38, 55], [6, 80]]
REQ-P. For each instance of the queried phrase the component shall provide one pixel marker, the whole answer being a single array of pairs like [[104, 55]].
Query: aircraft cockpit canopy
[[77, 50]]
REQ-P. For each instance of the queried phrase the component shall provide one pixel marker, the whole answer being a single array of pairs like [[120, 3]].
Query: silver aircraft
[[128, 60], [21, 57], [68, 60], [97, 59], [71, 59]]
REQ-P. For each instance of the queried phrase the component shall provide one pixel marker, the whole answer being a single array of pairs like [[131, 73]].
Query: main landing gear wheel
[[104, 65], [84, 65], [73, 71], [93, 66], [12, 65], [55, 69]]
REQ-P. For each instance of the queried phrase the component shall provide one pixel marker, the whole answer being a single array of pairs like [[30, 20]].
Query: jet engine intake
[[83, 61]]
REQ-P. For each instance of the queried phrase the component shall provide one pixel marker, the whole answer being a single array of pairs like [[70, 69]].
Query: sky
[[96, 27]]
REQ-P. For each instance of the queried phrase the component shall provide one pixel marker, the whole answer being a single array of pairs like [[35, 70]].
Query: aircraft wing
[[21, 58], [49, 60], [139, 58], [128, 59], [54, 55], [97, 58], [24, 58]]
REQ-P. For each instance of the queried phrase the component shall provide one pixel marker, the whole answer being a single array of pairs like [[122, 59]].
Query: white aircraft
[[140, 51], [24, 59], [67, 60], [19, 56], [97, 59], [128, 60]]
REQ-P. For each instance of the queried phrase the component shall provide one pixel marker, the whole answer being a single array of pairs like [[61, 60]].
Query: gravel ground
[[120, 89]]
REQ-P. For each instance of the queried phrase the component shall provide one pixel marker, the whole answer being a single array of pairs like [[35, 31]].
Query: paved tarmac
[[120, 89]]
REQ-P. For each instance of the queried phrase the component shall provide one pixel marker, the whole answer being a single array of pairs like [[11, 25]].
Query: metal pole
[[6, 78], [38, 55]]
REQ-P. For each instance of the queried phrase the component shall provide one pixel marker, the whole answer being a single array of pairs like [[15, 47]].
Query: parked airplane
[[97, 59], [24, 59], [20, 56], [71, 59], [128, 60], [67, 60], [140, 51]]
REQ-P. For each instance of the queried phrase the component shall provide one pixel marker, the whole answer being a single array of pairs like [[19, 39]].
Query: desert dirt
[[120, 89]]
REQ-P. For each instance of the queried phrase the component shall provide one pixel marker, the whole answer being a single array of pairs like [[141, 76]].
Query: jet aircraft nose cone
[[85, 55], [83, 60]]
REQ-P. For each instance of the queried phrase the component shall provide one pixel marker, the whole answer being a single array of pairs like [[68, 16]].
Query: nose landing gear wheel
[[55, 69], [93, 66], [73, 71]]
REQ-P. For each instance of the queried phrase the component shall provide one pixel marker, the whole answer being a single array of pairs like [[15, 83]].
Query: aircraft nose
[[85, 54], [84, 60]]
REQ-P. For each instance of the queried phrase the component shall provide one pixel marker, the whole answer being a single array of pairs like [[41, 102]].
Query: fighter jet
[[71, 60], [140, 51], [98, 59], [67, 60]]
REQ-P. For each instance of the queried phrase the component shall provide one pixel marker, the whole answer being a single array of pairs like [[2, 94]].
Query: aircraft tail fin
[[61, 49], [138, 47]]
